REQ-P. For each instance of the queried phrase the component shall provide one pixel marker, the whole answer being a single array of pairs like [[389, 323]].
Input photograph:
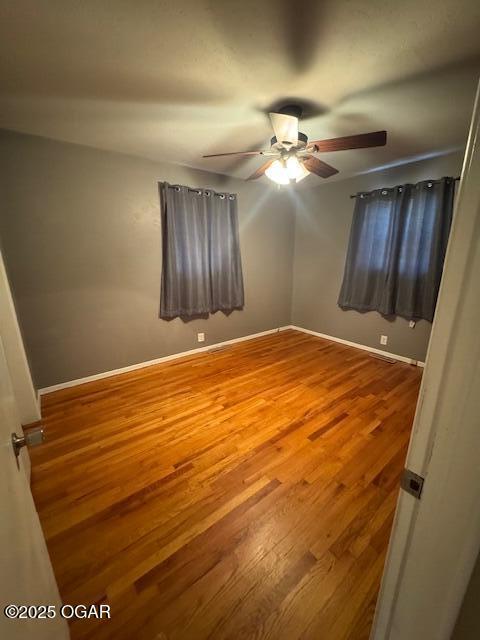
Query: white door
[[436, 540], [26, 575]]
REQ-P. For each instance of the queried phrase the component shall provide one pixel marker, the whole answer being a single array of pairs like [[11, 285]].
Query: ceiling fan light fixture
[[277, 172], [294, 150], [295, 169]]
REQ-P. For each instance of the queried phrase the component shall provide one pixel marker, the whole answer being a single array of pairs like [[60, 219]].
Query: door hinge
[[412, 483]]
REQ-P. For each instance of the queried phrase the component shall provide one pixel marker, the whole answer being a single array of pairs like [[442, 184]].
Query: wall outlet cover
[[200, 337], [383, 339]]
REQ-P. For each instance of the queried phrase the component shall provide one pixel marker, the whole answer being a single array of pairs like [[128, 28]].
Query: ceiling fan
[[292, 157]]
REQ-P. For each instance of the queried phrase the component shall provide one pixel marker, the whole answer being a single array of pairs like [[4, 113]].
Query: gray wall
[[80, 230], [322, 226]]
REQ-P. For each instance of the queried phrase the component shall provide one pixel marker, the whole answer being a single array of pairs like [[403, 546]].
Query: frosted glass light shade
[[277, 172], [295, 169], [284, 173]]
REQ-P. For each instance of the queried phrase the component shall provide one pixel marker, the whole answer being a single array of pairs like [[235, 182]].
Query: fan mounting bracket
[[291, 110]]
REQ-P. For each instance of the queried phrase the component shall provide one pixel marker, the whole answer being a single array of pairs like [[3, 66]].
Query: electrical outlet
[[383, 339], [200, 337]]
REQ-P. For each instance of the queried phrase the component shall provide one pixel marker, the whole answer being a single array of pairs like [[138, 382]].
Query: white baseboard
[[380, 352], [181, 354], [148, 363]]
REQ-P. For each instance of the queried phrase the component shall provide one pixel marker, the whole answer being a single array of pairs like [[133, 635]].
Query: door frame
[[23, 387], [435, 541]]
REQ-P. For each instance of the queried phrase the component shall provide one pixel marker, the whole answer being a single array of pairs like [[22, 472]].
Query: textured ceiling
[[172, 80]]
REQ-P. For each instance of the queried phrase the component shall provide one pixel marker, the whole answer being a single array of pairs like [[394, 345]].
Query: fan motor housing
[[301, 144]]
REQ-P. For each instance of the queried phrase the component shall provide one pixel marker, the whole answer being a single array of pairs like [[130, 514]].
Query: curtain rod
[[354, 195]]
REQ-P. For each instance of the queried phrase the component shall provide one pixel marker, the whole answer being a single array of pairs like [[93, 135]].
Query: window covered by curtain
[[397, 247], [202, 269]]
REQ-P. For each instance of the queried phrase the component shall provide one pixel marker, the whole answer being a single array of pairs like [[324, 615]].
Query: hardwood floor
[[246, 493]]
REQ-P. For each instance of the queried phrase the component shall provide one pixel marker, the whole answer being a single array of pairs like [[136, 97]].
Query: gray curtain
[[397, 247], [202, 269]]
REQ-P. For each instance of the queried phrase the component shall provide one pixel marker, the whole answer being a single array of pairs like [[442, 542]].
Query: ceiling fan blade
[[285, 127], [320, 168], [237, 153], [360, 141], [260, 171]]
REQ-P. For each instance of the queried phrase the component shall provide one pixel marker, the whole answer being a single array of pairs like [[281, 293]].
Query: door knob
[[33, 437]]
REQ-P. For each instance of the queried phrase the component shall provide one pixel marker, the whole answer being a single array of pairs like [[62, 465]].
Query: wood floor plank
[[246, 492]]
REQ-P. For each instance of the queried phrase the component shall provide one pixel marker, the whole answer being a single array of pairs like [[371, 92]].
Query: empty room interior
[[223, 231]]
